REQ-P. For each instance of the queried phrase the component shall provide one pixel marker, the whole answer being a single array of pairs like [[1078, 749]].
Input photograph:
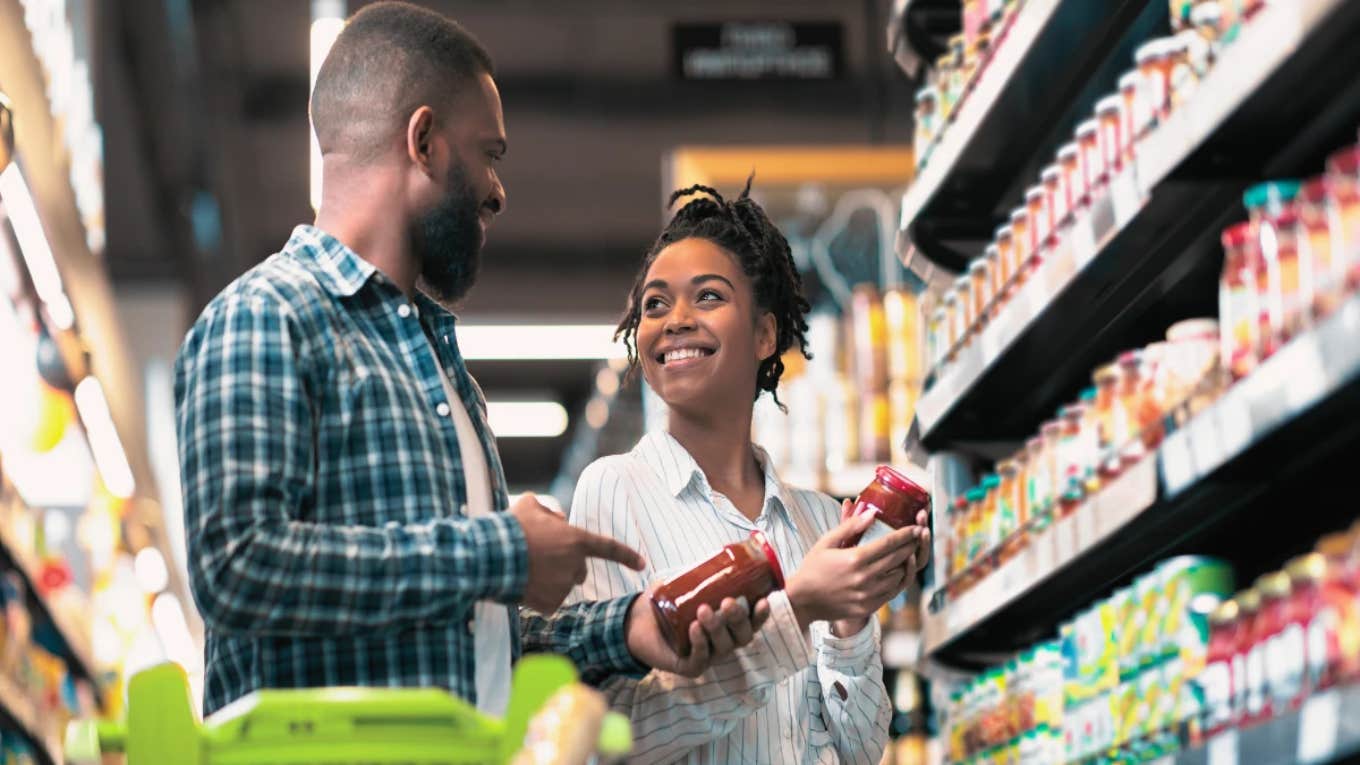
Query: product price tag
[[1307, 380], [1319, 720], [1086, 530], [1223, 749], [1041, 550], [1064, 541], [1205, 448], [1177, 469], [1124, 193], [1234, 424], [1083, 243]]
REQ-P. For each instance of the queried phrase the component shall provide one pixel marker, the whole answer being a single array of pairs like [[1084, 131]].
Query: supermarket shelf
[[76, 644], [18, 710], [1325, 729], [1281, 97], [1234, 480], [1027, 98]]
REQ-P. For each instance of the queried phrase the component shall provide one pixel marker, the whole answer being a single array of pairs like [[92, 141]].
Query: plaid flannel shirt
[[324, 495]]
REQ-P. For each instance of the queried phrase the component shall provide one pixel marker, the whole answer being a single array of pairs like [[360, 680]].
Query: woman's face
[[701, 337]]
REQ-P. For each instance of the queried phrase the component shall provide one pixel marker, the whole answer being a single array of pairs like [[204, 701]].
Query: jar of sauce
[[1107, 413], [965, 318], [893, 498], [1072, 460], [1040, 220], [1111, 135], [1074, 181], [1136, 115], [1216, 679], [1052, 485], [1318, 274], [992, 524], [1250, 692], [1035, 478], [1020, 491], [1092, 161], [958, 542], [1131, 409], [1154, 63], [747, 569], [1059, 205], [1284, 644], [977, 530], [1238, 303], [1000, 277], [1005, 251], [1343, 174], [950, 333], [1271, 210], [1317, 611], [980, 291], [1342, 590], [1021, 241]]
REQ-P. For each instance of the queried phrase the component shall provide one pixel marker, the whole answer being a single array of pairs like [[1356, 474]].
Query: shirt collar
[[339, 269], [679, 471]]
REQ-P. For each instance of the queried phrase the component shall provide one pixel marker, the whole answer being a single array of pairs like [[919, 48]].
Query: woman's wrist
[[844, 628]]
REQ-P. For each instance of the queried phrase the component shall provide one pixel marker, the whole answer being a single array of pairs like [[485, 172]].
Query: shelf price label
[[1319, 721], [1223, 749]]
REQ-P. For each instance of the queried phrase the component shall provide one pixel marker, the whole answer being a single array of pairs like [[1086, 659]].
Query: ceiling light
[[526, 419], [530, 342], [33, 245], [108, 452]]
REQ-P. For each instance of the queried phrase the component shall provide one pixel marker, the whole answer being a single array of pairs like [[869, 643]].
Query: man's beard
[[448, 241]]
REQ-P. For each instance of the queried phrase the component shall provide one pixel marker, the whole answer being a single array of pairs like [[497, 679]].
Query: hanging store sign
[[758, 50]]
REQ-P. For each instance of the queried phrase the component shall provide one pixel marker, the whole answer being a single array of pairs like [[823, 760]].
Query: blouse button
[[442, 409]]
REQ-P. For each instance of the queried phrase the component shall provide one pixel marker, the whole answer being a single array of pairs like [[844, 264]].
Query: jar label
[[1285, 665], [1257, 680], [1321, 643]]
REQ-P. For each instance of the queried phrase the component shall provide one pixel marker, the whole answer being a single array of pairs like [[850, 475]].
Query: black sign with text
[[758, 50]]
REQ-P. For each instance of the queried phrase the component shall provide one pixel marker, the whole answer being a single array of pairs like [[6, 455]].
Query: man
[[341, 485]]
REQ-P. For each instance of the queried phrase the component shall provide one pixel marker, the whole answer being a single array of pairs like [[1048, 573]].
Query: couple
[[346, 511]]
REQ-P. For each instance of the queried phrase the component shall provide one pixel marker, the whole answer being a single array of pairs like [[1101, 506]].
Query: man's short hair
[[391, 58]]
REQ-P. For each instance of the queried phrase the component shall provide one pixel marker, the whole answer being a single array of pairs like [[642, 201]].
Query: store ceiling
[[204, 108]]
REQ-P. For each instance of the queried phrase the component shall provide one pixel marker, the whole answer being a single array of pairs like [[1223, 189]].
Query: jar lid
[[1129, 358], [1072, 410], [1007, 466], [1067, 151], [961, 502], [962, 283], [1249, 600], [978, 266], [1271, 191], [1034, 193], [992, 252], [1205, 13], [894, 479], [1019, 214], [1106, 374], [1336, 545], [1108, 104], [976, 494], [1315, 189], [990, 481], [1226, 613], [1193, 329], [1051, 426], [1088, 395], [1150, 50], [1345, 161], [1089, 127], [1034, 442], [1004, 231], [1130, 79], [927, 93], [772, 558], [1236, 235], [952, 297], [1273, 585], [1307, 568], [1051, 173]]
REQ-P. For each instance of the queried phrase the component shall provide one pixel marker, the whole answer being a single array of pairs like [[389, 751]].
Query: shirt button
[[403, 310], [443, 409], [840, 690]]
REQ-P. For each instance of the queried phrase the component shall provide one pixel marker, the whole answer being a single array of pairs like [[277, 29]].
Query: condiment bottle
[[1136, 114], [1251, 691], [1052, 178], [979, 274], [1074, 180], [992, 525], [966, 318], [1008, 511], [1238, 303], [1271, 212], [1317, 268], [1021, 242], [1093, 168], [1107, 407], [1111, 135], [1153, 60], [1040, 221], [1129, 425], [952, 322], [999, 279], [1052, 467], [1283, 647], [1072, 459], [1343, 174], [747, 569], [1005, 250], [1216, 679]]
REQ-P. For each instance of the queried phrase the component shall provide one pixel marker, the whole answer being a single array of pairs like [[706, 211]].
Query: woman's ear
[[767, 336]]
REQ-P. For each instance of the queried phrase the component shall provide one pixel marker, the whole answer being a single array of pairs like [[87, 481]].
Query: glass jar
[[1343, 175], [993, 528], [1216, 679], [958, 537], [1271, 211], [1317, 268], [1036, 477], [1040, 221], [977, 526], [1153, 60], [1248, 662], [964, 317], [1059, 202], [1021, 243], [1000, 277], [747, 569], [1005, 251], [1281, 654], [894, 499], [1020, 491], [1136, 115], [1132, 408], [950, 332], [1206, 18], [1238, 307], [1007, 508], [1072, 459], [980, 278], [1052, 434], [1191, 360], [1074, 180], [1110, 119], [1093, 168], [939, 338], [1342, 588], [1317, 609], [1107, 413]]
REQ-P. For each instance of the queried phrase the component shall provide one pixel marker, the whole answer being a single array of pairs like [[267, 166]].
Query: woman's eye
[[708, 295], [651, 304]]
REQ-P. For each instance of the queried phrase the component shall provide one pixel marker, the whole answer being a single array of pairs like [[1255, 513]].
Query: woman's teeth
[[681, 354]]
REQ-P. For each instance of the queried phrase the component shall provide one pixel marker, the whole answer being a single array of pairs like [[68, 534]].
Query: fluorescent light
[[526, 419], [328, 18], [104, 443], [33, 245], [152, 574], [532, 342]]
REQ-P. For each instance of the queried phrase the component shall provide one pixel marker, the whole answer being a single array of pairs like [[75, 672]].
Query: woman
[[716, 305]]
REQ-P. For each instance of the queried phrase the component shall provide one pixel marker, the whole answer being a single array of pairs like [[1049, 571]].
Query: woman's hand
[[846, 586]]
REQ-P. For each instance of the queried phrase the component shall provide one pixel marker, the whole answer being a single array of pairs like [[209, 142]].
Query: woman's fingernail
[[745, 605]]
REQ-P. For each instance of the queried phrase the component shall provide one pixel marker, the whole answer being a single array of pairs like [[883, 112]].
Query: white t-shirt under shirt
[[491, 630]]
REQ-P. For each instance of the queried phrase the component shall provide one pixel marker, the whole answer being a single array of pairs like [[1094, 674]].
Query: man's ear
[[420, 138]]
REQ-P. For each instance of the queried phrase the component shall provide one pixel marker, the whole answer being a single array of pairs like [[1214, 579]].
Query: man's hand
[[712, 636], [558, 553], [846, 586]]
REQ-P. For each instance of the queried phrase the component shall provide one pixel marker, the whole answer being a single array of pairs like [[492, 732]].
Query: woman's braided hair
[[742, 229]]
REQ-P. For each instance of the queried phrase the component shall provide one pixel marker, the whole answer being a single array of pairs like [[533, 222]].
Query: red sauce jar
[[893, 498], [1093, 169], [1216, 679], [750, 569], [1248, 661]]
